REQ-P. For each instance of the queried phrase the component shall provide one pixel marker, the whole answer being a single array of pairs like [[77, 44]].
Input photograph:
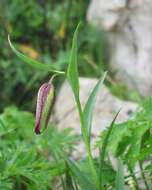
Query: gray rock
[[129, 28], [66, 115]]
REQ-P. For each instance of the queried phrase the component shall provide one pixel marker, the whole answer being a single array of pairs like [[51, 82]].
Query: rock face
[[107, 106], [129, 27]]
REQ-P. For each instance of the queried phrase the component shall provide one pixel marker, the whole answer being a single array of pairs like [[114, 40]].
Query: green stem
[[143, 175], [133, 176], [87, 145]]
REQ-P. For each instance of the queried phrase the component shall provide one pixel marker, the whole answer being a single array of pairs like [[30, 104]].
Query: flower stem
[[143, 176], [133, 176], [87, 145]]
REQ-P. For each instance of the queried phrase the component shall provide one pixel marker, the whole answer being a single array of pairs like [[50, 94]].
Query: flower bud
[[43, 108]]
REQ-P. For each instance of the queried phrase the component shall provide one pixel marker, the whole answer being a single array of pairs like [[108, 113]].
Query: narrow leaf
[[120, 176], [36, 64], [81, 178], [72, 71], [88, 110], [104, 146]]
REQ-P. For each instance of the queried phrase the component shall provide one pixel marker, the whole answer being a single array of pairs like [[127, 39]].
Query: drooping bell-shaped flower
[[43, 108]]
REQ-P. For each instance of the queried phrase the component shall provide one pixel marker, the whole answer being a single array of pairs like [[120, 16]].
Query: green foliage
[[43, 162], [72, 76], [120, 90], [26, 161], [81, 177], [32, 62], [127, 137], [125, 141], [103, 149], [72, 71], [29, 60], [131, 140], [40, 32], [120, 176], [88, 109]]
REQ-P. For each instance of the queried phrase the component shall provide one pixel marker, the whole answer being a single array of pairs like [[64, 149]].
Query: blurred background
[[43, 30]]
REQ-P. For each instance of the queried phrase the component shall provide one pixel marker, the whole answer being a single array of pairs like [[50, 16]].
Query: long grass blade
[[81, 178], [72, 71], [104, 145], [34, 63], [120, 176], [88, 109]]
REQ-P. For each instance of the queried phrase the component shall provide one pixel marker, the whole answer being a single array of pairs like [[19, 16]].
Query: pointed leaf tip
[[34, 63], [89, 107], [72, 71]]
